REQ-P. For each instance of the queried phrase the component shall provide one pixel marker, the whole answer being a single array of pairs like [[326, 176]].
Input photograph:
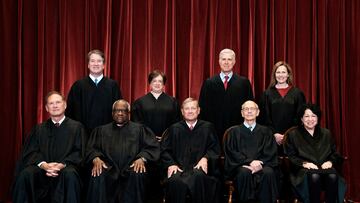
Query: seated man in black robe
[[190, 152], [118, 152], [251, 158], [51, 155]]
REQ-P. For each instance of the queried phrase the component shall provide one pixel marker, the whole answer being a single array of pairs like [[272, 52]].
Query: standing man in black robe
[[251, 158], [47, 171], [119, 152], [90, 99], [222, 95], [190, 152]]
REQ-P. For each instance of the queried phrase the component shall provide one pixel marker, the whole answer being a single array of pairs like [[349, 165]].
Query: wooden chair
[[229, 185]]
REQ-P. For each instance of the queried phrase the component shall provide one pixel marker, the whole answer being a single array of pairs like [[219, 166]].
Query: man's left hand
[[139, 166], [203, 164]]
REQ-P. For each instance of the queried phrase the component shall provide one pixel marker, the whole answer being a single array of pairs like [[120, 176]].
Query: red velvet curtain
[[44, 45]]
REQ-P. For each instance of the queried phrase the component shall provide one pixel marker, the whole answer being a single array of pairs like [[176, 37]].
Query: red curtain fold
[[44, 45]]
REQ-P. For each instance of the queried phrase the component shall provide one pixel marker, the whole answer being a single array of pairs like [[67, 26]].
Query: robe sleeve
[[177, 110], [31, 153], [269, 151], [234, 157], [212, 151], [265, 117], [166, 150], [93, 148], [116, 92], [73, 103], [335, 158], [291, 151], [136, 113], [150, 147], [301, 100], [203, 101], [77, 153]]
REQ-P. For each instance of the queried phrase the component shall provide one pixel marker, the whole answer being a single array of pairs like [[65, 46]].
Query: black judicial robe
[[118, 147], [46, 142], [301, 147], [280, 113], [223, 107], [241, 147], [157, 114], [184, 147], [91, 104]]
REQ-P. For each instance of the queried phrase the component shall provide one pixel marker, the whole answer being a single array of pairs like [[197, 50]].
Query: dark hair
[[98, 52], [275, 67], [51, 93], [312, 107], [156, 73]]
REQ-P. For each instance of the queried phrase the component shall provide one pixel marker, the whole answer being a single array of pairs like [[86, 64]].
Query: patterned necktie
[[191, 127], [250, 128], [226, 82], [96, 81]]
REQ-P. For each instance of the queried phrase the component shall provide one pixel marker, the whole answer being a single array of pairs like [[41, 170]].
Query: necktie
[[191, 127], [96, 81], [57, 125], [250, 128], [226, 81]]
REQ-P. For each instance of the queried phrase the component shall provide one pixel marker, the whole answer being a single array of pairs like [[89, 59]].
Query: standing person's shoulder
[[325, 131], [165, 95], [263, 128], [240, 78], [108, 80], [204, 123], [80, 84], [212, 79], [83, 80], [73, 123]]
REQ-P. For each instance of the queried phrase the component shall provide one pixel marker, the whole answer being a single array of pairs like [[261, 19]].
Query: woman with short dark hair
[[313, 157]]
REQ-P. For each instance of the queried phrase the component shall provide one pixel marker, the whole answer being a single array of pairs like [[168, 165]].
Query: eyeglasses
[[120, 111], [249, 108]]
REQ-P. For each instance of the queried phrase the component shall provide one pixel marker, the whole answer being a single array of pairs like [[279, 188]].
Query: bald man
[[251, 157]]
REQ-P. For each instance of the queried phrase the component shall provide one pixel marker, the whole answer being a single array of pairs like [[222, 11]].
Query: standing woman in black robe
[[313, 157], [157, 110], [281, 102]]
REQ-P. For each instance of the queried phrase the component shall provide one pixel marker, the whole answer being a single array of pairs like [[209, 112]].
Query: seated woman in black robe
[[313, 157]]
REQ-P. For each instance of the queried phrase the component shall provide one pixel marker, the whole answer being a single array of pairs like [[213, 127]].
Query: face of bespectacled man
[[226, 62], [190, 111], [55, 105], [120, 113], [249, 111], [96, 64]]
